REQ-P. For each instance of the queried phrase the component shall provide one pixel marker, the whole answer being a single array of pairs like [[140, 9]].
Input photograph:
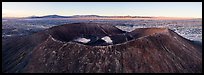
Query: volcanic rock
[[144, 50]]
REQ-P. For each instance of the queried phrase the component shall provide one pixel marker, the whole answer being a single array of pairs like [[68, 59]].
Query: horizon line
[[100, 15]]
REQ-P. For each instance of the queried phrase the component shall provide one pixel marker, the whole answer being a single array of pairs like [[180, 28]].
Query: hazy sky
[[168, 9]]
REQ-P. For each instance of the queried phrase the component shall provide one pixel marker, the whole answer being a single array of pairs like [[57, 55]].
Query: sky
[[164, 9]]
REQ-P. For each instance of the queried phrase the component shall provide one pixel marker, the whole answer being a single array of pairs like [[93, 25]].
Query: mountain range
[[86, 16]]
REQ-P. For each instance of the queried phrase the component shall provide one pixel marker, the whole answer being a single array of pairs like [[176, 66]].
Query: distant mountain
[[49, 16], [58, 16], [87, 16]]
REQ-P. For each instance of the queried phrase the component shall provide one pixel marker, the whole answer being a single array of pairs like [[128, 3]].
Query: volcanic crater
[[101, 48], [96, 34]]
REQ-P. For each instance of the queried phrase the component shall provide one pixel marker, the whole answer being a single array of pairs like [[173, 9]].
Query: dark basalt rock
[[144, 50]]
